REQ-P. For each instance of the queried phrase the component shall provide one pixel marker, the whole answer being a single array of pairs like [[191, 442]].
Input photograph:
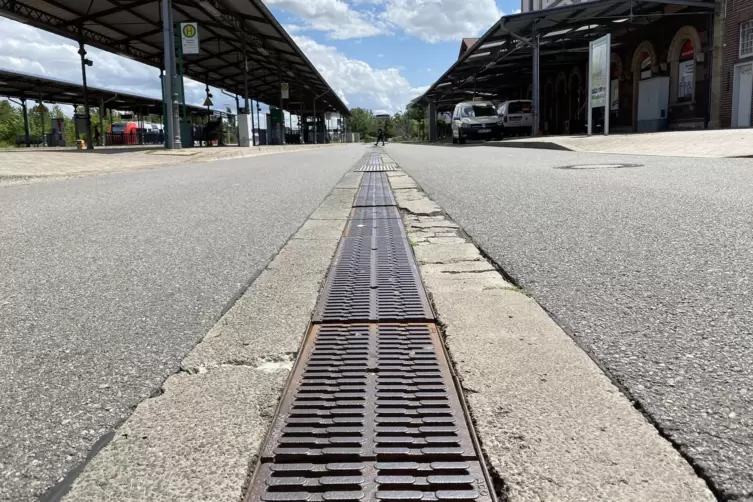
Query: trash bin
[[81, 144]]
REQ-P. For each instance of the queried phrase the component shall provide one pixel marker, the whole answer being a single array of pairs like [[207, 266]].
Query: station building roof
[[502, 57], [133, 28]]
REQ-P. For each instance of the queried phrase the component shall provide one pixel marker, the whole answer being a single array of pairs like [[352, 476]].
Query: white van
[[516, 117], [475, 120]]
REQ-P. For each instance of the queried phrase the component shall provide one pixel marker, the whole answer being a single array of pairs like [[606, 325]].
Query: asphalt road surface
[[106, 282], [650, 267]]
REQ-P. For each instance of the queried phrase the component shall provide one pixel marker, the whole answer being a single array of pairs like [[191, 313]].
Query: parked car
[[516, 117], [475, 120]]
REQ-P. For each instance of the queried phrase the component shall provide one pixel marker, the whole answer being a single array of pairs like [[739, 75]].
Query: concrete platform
[[712, 144]]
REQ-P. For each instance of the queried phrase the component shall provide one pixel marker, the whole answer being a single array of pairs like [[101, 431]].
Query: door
[[742, 94]]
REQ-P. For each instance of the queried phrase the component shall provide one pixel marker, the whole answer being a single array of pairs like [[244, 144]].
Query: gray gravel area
[[107, 282], [650, 267]]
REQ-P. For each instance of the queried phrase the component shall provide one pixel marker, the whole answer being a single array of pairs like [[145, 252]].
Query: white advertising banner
[[687, 75], [598, 67], [598, 79]]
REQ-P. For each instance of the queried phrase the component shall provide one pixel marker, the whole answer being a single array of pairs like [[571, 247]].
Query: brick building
[[735, 19]]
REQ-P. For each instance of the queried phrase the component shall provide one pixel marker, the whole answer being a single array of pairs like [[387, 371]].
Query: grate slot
[[381, 421], [374, 191], [375, 162], [374, 279]]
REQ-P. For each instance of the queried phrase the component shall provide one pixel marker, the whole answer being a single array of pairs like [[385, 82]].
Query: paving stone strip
[[551, 425]]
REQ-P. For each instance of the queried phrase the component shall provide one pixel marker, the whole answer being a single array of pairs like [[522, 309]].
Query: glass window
[[467, 111], [746, 39], [519, 107], [484, 111]]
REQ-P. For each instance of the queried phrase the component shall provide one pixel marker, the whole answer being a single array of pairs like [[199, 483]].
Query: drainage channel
[[371, 411]]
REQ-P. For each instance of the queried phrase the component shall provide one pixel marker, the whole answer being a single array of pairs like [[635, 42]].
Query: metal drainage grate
[[375, 213], [374, 278], [598, 166], [374, 191], [374, 162], [372, 414], [368, 227], [382, 167]]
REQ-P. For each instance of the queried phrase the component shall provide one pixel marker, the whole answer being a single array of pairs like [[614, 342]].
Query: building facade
[[677, 49], [735, 18]]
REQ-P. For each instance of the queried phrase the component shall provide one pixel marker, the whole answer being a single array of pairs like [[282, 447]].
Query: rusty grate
[[372, 414]]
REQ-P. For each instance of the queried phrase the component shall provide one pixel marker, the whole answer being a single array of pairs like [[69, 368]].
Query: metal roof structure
[[502, 57], [21, 85], [227, 30]]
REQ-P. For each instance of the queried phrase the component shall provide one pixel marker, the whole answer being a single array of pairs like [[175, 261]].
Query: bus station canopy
[[47, 90], [133, 28], [503, 57]]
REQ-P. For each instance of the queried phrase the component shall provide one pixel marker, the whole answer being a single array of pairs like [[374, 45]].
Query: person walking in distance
[[380, 135]]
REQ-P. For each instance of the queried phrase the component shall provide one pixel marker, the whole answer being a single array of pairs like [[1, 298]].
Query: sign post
[[189, 36], [598, 80]]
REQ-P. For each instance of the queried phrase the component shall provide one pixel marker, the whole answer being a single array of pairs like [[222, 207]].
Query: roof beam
[[62, 27], [112, 10]]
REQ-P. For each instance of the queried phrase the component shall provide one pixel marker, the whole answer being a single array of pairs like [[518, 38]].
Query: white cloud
[[332, 16], [436, 20], [429, 20], [356, 81]]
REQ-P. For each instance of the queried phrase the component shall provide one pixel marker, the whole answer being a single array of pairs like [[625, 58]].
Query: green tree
[[389, 127], [11, 124], [362, 121]]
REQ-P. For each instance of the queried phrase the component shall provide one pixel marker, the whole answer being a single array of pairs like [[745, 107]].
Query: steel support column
[[76, 132], [536, 81], [41, 118], [282, 112], [102, 122], [245, 90], [301, 122], [315, 139], [167, 27], [87, 116], [27, 132], [171, 85], [258, 121], [250, 111]]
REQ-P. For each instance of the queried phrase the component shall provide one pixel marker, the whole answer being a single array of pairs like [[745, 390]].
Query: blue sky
[[376, 54]]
